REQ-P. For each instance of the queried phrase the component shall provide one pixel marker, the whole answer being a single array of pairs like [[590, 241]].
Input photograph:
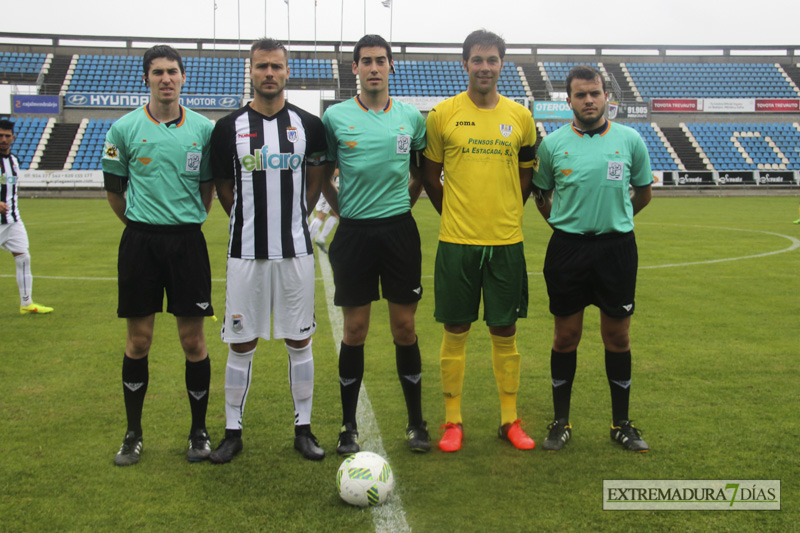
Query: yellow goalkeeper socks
[[452, 359], [506, 363]]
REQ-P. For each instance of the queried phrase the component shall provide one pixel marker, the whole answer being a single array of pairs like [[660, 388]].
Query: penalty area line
[[389, 517]]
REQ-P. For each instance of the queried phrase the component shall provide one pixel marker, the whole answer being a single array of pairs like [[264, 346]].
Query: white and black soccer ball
[[365, 479]]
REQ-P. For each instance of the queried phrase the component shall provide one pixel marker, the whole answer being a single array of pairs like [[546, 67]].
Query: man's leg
[[327, 228], [351, 373], [616, 339], [198, 381], [24, 278], [301, 382], [238, 375], [135, 378], [563, 362], [409, 371], [17, 243], [506, 362]]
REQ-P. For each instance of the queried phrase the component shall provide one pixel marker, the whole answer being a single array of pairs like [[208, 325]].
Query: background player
[[13, 236], [485, 144], [267, 159], [587, 168], [159, 155], [324, 216], [377, 239]]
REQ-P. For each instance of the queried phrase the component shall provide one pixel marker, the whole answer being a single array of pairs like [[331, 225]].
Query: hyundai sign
[[132, 100]]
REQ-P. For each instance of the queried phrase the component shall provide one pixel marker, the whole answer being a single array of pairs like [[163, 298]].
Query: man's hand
[[3, 208]]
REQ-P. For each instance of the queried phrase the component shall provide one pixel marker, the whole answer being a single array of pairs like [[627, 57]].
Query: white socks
[[24, 278], [238, 373], [301, 380]]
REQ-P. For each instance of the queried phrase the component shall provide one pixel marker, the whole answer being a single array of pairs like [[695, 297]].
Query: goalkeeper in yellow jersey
[[484, 143]]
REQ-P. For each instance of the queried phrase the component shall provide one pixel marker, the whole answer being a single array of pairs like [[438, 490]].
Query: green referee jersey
[[373, 150], [591, 176], [164, 165]]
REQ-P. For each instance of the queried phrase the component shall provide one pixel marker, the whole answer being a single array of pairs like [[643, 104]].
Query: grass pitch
[[715, 340]]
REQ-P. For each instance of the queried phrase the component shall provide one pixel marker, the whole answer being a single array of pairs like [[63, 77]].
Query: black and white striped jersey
[[9, 174], [267, 158]]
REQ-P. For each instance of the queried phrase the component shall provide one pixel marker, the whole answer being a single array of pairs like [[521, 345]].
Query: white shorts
[[258, 289], [322, 205], [14, 238]]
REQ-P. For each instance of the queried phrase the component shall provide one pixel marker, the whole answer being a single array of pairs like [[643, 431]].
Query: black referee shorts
[[365, 251], [154, 259], [599, 270]]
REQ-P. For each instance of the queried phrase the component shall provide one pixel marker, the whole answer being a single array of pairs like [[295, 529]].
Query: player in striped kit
[[13, 236], [267, 159]]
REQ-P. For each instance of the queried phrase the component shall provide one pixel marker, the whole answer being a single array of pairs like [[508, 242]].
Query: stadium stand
[[748, 146], [311, 68], [557, 71], [28, 133], [87, 150], [445, 79], [21, 63], [711, 80], [677, 141], [123, 74]]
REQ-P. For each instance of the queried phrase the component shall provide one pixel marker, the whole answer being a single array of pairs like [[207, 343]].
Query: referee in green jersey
[[375, 140], [585, 171], [158, 182]]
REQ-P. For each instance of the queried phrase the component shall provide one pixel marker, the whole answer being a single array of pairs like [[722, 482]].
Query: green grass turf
[[715, 362]]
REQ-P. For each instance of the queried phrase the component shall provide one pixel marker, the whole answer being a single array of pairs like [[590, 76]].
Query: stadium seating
[[445, 79], [90, 150], [710, 80], [21, 63], [28, 133], [749, 145], [557, 71], [123, 74], [311, 68]]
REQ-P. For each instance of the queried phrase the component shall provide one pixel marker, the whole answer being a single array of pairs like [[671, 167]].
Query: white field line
[[794, 246], [389, 517]]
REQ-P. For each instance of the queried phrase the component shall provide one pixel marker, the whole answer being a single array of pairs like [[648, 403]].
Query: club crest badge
[[193, 161], [505, 130], [615, 170], [403, 144], [291, 134]]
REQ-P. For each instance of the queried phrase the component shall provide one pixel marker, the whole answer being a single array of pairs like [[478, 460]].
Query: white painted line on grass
[[389, 517], [794, 246]]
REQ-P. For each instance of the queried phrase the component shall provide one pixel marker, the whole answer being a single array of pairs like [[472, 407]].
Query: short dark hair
[[368, 41], [483, 39], [161, 50], [6, 124], [583, 72], [268, 45]]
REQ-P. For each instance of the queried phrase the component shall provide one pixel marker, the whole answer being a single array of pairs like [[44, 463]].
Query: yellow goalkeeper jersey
[[481, 151]]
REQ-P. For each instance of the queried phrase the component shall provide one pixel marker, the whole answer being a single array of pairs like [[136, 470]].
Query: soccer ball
[[365, 479]]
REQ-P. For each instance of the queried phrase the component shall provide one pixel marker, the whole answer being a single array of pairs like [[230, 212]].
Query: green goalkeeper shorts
[[464, 271]]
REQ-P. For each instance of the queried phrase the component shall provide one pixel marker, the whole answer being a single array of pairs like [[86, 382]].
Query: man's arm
[[415, 182], [525, 182], [431, 181], [225, 193], [640, 197], [316, 176], [117, 202], [207, 194], [544, 201], [329, 190]]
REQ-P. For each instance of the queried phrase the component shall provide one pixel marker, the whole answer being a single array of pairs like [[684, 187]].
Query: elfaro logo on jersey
[[263, 160]]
